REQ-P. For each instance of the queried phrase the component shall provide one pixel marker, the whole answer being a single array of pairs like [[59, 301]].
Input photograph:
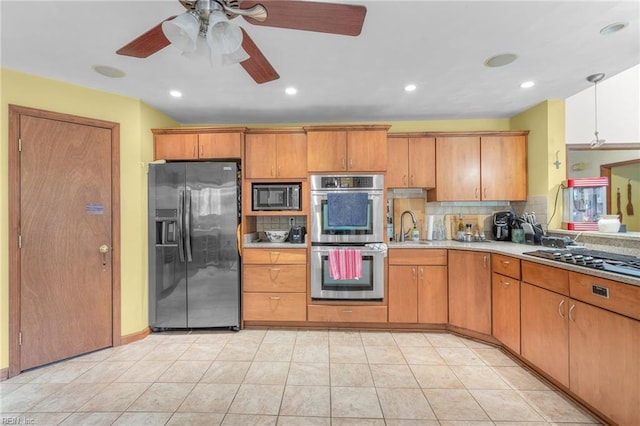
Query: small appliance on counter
[[297, 234], [585, 199], [502, 225]]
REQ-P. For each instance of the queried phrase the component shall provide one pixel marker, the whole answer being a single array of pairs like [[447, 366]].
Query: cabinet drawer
[[347, 313], [614, 296], [285, 278], [274, 306], [275, 256], [417, 257], [554, 279], [505, 265]]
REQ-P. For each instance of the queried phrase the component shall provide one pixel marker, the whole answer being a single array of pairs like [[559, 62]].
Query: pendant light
[[595, 79]]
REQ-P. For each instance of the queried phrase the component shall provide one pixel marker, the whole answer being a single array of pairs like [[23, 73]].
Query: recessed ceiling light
[[410, 87], [613, 28], [290, 90], [527, 84], [500, 60], [176, 93], [108, 71]]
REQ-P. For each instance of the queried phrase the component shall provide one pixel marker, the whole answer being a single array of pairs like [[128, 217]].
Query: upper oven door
[[366, 227]]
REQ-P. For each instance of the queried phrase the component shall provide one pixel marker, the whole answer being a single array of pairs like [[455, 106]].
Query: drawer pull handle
[[275, 298], [273, 273], [273, 256], [505, 283], [570, 312], [505, 262], [560, 308], [347, 312]]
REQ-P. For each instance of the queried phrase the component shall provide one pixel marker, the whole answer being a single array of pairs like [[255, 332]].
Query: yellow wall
[[545, 123], [136, 142]]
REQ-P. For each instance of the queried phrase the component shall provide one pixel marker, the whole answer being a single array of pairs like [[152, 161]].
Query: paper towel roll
[[430, 227]]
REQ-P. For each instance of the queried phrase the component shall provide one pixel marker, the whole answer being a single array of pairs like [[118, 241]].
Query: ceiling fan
[[208, 20]]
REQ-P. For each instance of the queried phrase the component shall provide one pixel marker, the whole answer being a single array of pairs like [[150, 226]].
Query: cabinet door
[[367, 150], [604, 367], [327, 151], [292, 155], [470, 290], [422, 162], [506, 311], [432, 295], [260, 156], [403, 290], [398, 172], [504, 167], [545, 331], [175, 147], [458, 168], [220, 145]]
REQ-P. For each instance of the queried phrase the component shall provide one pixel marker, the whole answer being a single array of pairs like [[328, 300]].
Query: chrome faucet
[[413, 218]]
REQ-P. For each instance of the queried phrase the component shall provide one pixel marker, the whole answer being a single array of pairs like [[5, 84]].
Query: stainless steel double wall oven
[[360, 225]]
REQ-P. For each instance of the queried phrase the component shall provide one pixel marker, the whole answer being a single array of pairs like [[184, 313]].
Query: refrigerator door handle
[[187, 225], [180, 225]]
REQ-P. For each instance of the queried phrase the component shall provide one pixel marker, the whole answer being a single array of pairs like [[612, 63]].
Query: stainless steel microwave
[[276, 196]]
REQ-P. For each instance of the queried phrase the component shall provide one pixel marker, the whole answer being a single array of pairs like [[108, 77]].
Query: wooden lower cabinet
[[418, 286], [506, 311], [604, 369], [470, 290], [347, 313], [274, 285], [545, 331]]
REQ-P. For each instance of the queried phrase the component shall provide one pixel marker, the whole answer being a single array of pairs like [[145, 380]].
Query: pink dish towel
[[345, 264]]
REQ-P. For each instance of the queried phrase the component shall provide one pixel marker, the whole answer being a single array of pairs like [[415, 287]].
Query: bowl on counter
[[277, 236]]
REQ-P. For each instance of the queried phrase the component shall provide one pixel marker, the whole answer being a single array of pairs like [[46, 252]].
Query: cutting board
[[416, 205]]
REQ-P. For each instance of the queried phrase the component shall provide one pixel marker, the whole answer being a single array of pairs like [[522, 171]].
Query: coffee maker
[[502, 225], [297, 233]]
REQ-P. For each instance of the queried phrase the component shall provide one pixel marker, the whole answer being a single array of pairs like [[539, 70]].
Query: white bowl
[[277, 236], [609, 223]]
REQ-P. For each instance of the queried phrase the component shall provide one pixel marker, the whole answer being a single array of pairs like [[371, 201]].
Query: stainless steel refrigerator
[[194, 271]]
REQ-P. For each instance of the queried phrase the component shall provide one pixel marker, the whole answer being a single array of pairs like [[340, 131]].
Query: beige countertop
[[516, 250]]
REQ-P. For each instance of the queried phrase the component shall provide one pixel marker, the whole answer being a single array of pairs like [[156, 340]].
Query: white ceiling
[[439, 46]]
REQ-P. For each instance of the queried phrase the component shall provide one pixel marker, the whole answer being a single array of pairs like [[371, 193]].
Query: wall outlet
[[292, 221]]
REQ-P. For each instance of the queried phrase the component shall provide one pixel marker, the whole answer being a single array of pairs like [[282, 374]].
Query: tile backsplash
[[269, 223]]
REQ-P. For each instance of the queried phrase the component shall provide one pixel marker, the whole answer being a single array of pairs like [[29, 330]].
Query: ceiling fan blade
[[147, 44], [330, 18], [257, 66]]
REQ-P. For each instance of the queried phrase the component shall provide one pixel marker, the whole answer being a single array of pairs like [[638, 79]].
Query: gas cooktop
[[594, 259]]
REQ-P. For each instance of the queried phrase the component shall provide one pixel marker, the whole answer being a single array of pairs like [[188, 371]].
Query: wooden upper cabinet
[[197, 144], [412, 162], [220, 145], [457, 168], [479, 167], [275, 155], [175, 147], [503, 163], [337, 150]]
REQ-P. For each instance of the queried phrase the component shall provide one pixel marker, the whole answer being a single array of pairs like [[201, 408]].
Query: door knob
[[104, 249]]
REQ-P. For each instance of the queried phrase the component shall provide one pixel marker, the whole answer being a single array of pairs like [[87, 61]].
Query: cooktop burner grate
[[595, 259]]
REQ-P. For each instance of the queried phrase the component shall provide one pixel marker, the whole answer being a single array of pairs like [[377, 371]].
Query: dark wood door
[[65, 202]]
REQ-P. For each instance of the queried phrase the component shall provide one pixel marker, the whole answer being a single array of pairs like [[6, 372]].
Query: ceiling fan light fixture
[[223, 37], [182, 31], [236, 57]]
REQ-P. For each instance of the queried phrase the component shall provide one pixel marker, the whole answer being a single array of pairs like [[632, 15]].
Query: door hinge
[[20, 338], [19, 144], [19, 241]]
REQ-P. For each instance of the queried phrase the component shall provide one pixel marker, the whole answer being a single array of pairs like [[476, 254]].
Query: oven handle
[[364, 251]]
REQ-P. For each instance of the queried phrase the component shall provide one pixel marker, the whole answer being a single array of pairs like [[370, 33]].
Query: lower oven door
[[369, 287]]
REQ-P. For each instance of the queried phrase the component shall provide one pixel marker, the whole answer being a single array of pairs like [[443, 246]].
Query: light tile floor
[[288, 377]]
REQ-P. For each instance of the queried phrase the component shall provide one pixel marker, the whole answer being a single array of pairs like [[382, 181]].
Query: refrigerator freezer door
[[167, 267], [213, 289]]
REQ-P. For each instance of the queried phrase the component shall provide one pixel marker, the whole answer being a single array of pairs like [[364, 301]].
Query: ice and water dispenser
[[167, 233], [585, 199]]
